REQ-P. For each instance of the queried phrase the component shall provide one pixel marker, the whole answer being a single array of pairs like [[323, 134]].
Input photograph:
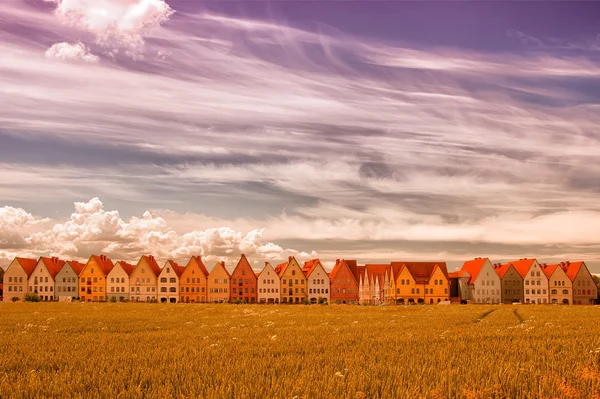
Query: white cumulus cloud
[[71, 52]]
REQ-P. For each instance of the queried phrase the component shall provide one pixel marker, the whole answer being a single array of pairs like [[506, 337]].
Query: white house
[[317, 281], [484, 285], [268, 285]]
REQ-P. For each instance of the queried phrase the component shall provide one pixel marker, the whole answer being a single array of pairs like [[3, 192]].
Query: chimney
[[568, 263], [337, 261], [289, 258]]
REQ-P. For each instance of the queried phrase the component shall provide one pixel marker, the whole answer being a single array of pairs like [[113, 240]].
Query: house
[[484, 283], [219, 284], [374, 284], [317, 281], [293, 282], [512, 283], [117, 281], [344, 282], [168, 282], [66, 282], [243, 282], [143, 281], [92, 279], [560, 287], [193, 282], [535, 282], [585, 290], [41, 280], [420, 282], [268, 284], [459, 287], [16, 278]]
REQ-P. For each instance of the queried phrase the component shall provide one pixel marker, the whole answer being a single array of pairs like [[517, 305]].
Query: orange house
[[193, 283], [344, 282], [419, 282], [293, 282], [219, 284], [243, 282], [92, 280]]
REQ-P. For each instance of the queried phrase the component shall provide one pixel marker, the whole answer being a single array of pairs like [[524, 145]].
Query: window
[[168, 270], [172, 280], [163, 279]]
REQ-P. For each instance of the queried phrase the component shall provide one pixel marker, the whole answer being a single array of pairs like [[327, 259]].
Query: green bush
[[32, 297]]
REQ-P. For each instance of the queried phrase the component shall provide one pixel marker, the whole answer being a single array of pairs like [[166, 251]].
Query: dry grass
[[229, 351]]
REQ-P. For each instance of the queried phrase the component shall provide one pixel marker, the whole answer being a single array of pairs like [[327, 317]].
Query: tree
[[32, 297]]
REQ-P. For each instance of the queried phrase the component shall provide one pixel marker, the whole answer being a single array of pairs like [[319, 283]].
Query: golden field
[[122, 350]]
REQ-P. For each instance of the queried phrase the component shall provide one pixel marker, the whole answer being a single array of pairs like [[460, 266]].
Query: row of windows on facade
[[13, 288], [43, 288], [69, 288], [10, 280], [539, 282], [240, 290], [292, 290], [418, 291], [409, 282], [344, 291], [218, 290], [486, 292], [533, 292], [295, 281]]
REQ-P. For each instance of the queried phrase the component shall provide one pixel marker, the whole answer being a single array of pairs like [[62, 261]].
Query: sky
[[376, 131]]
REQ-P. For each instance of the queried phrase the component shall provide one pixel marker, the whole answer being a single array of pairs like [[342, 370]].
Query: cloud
[[71, 52], [91, 229], [114, 23]]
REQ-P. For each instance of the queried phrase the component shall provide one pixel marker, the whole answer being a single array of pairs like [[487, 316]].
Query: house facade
[[168, 282], [41, 280], [512, 283], [484, 284], [560, 287], [92, 280], [585, 290], [420, 282], [117, 281], [293, 282], [193, 282], [535, 283], [219, 284], [66, 282], [374, 284], [344, 282], [16, 279], [244, 285], [317, 281], [143, 282], [268, 285]]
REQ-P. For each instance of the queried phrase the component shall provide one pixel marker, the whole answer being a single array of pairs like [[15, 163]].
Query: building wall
[[344, 287], [41, 282], [66, 283], [487, 288], [243, 283], [584, 288], [15, 282], [92, 283], [268, 285], [535, 284], [560, 287], [219, 284], [193, 284], [168, 285], [512, 287], [143, 283], [318, 284], [117, 284], [407, 291], [293, 284], [438, 288]]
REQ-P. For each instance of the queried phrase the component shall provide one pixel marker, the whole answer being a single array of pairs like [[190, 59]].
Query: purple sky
[[371, 130]]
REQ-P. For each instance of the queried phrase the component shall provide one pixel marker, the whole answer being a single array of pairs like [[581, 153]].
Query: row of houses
[[478, 281]]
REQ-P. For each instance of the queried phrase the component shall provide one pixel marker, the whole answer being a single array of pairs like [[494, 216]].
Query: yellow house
[[193, 282], [560, 286], [92, 280], [143, 281], [219, 284], [293, 282], [419, 282]]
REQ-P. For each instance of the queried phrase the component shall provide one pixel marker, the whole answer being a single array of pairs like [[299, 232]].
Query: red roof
[[374, 271], [76, 266], [350, 264], [549, 269], [198, 260], [522, 266], [309, 266], [473, 267], [53, 265], [243, 263], [222, 264], [502, 269], [127, 267], [453, 275], [280, 268], [573, 269], [105, 264], [27, 264], [422, 271], [152, 263], [176, 268]]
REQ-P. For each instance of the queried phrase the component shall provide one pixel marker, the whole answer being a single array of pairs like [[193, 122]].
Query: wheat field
[[122, 350]]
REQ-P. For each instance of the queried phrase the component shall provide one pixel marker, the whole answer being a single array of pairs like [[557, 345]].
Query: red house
[[244, 283], [344, 282]]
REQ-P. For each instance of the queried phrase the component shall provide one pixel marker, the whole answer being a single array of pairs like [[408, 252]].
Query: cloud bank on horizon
[[259, 130]]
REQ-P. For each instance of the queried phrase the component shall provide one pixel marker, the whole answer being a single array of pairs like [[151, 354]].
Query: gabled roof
[[310, 266], [198, 260], [522, 266], [127, 267], [573, 269], [421, 272], [27, 264], [280, 268], [453, 275], [377, 272], [53, 265], [152, 263], [360, 273], [502, 269], [222, 265], [105, 264], [76, 266], [342, 263], [473, 267], [549, 269], [243, 262], [178, 269], [267, 264]]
